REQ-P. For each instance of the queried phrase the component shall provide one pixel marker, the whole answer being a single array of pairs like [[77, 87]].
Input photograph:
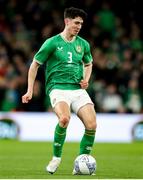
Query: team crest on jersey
[[78, 49]]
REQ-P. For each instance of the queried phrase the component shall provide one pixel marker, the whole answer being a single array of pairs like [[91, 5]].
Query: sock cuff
[[60, 130], [90, 132]]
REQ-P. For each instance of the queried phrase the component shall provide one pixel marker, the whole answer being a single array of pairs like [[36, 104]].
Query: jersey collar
[[66, 39]]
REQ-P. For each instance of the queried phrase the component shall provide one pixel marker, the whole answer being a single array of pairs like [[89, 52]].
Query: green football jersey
[[64, 62]]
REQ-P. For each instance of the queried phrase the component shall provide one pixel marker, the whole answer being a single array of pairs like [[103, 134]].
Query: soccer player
[[68, 69]]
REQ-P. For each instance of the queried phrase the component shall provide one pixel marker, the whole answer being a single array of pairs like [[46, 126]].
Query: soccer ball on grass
[[84, 164]]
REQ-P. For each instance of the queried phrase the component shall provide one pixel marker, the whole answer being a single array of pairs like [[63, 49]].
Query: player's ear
[[66, 20]]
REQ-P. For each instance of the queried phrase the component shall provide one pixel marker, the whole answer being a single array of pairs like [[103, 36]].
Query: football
[[84, 165]]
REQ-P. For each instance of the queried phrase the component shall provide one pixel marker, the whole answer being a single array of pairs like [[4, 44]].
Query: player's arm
[[87, 60], [31, 79], [87, 71]]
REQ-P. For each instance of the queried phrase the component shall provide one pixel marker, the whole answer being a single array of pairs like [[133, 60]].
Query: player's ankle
[[56, 158]]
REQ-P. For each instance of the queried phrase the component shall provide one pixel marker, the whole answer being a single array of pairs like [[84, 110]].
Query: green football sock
[[87, 141], [59, 138]]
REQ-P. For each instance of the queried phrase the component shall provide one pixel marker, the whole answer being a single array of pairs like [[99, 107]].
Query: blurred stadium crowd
[[114, 30]]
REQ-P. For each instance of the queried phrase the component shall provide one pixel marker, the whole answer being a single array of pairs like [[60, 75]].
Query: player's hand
[[26, 97], [84, 84]]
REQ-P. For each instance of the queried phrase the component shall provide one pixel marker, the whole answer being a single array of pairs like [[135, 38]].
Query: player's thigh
[[62, 110], [87, 115], [80, 99], [61, 104]]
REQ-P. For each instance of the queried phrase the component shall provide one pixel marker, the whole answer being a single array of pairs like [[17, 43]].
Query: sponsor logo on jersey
[[78, 49], [59, 48]]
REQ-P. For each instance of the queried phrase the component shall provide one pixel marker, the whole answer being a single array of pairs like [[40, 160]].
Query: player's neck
[[67, 37]]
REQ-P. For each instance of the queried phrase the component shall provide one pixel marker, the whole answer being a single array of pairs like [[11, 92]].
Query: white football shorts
[[74, 98]]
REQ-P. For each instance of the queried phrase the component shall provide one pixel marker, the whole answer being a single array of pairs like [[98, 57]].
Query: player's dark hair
[[73, 12]]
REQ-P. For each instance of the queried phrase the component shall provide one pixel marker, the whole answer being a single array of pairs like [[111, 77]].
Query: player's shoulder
[[52, 41]]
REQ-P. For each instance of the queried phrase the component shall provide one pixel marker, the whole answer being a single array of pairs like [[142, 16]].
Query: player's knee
[[92, 125], [64, 121]]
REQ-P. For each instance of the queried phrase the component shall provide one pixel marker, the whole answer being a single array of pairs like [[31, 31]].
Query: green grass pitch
[[27, 160]]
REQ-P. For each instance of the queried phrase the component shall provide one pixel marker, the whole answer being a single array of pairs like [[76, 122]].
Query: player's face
[[74, 25]]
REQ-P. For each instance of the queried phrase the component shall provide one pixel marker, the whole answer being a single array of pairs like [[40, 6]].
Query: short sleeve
[[87, 58], [45, 51]]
